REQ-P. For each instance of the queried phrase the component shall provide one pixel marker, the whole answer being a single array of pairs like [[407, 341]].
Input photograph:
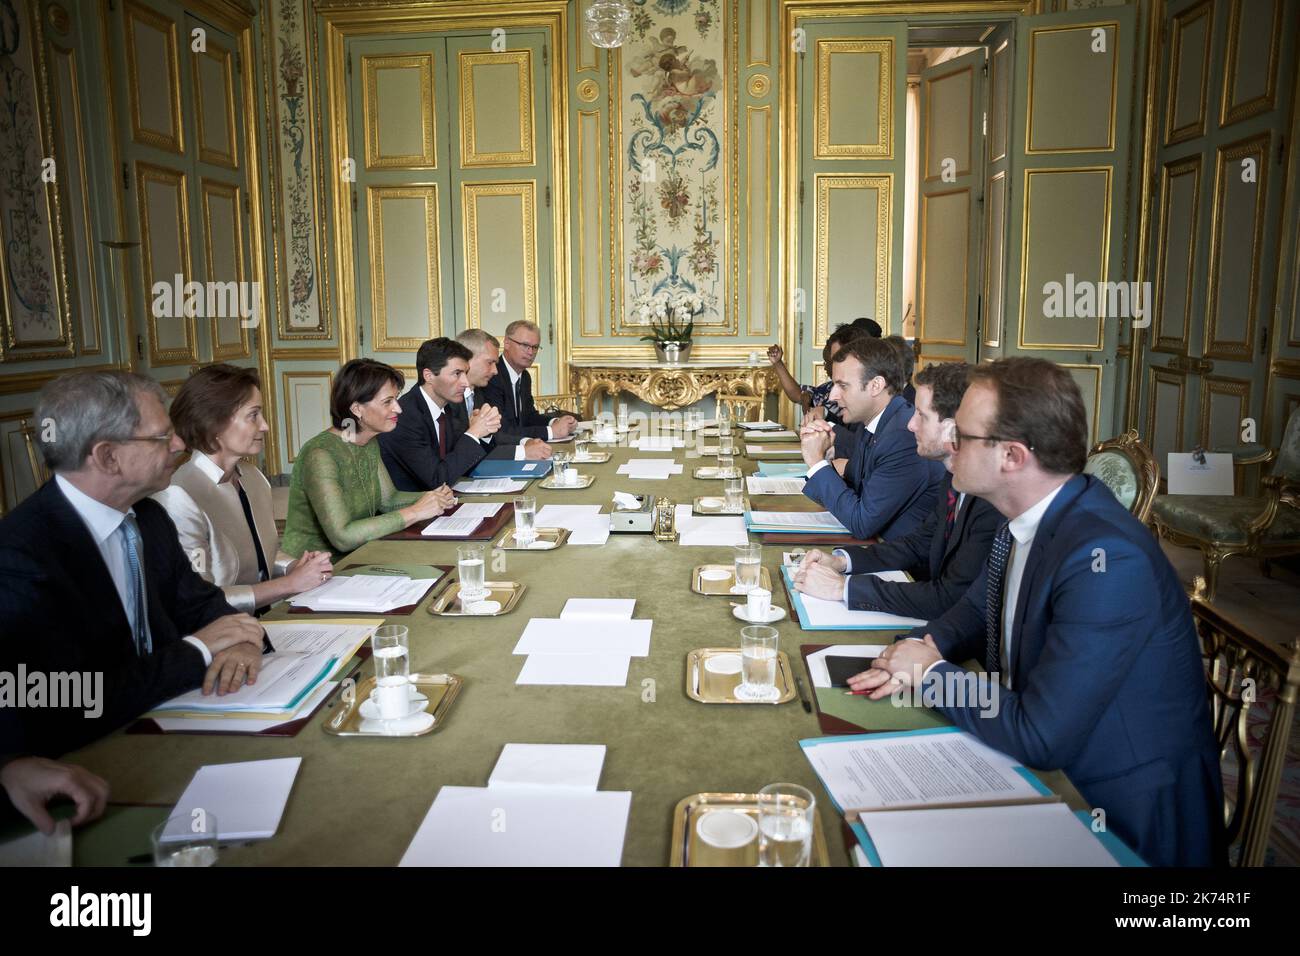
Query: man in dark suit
[[1085, 631], [92, 577], [430, 448], [886, 489], [944, 554], [486, 350], [511, 389]]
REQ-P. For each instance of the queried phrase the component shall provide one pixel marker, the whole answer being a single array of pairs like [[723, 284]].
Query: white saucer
[[714, 574], [406, 725], [774, 614], [723, 664], [712, 502]]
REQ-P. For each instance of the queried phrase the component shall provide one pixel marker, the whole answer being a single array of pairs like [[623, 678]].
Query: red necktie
[[441, 426], [952, 514]]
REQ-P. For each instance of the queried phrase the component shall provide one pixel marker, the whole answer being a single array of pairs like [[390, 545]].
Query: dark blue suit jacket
[[516, 423], [887, 489], [943, 569], [410, 451], [1107, 677]]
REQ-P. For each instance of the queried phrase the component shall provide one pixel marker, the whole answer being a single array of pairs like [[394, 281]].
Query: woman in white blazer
[[222, 508]]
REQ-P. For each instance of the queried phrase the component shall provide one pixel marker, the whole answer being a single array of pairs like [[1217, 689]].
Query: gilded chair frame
[[1239, 666], [752, 405], [570, 402], [1145, 468]]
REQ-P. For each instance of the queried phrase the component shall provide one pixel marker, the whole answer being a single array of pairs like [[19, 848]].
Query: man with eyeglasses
[[92, 576], [511, 389], [1079, 619]]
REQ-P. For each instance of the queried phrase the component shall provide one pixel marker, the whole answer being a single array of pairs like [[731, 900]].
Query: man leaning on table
[[511, 389], [944, 555], [93, 580], [887, 489], [485, 349], [1080, 617]]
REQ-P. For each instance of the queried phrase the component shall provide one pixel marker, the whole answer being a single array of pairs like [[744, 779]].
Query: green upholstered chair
[[1263, 527], [1129, 470]]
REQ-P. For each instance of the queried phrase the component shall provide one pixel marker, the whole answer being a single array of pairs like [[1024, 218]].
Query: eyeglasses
[[958, 436], [525, 346], [161, 438]]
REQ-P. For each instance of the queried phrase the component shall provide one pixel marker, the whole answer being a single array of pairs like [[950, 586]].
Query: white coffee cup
[[571, 476], [758, 603]]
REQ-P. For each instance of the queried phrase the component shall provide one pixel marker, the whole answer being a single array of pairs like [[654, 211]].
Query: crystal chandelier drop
[[608, 23]]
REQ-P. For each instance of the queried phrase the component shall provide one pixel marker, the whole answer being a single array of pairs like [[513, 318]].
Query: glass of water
[[733, 489], [727, 466], [786, 817], [726, 444], [470, 566], [581, 445], [724, 415], [525, 516], [392, 656], [758, 659], [563, 467], [189, 839], [749, 560]]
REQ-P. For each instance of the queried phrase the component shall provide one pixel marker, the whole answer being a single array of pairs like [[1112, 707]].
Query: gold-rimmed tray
[[716, 505], [593, 458], [686, 849], [505, 593], [549, 482], [440, 689], [709, 473], [547, 539], [723, 586], [708, 687]]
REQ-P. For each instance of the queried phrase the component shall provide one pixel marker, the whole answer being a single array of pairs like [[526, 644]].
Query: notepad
[[762, 485], [247, 799], [598, 609], [574, 670], [373, 593], [553, 636], [463, 520], [574, 766], [488, 486], [696, 531], [585, 522]]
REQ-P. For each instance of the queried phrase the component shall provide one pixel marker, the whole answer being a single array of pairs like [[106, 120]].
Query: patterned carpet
[[1284, 842]]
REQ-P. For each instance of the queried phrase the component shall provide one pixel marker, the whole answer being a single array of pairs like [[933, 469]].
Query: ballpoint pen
[[803, 694]]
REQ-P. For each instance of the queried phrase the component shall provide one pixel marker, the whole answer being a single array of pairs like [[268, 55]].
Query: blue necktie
[[136, 609], [469, 401], [993, 606]]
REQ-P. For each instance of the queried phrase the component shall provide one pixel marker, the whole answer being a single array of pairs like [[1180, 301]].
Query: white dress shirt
[[514, 384], [520, 453], [105, 526], [871, 429], [436, 411], [1023, 527]]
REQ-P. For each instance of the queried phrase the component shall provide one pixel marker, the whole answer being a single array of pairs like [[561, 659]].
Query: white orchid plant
[[669, 320]]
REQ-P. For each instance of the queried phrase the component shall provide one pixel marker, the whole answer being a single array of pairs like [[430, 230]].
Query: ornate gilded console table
[[666, 386]]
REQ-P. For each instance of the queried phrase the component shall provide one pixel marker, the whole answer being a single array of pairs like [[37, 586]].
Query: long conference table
[[358, 802]]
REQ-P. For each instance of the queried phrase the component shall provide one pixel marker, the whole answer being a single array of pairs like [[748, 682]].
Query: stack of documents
[[941, 797], [780, 451], [373, 593], [657, 443], [763, 426], [783, 469], [585, 522], [245, 799], [816, 614], [589, 644], [795, 522], [654, 468], [762, 485], [693, 530], [463, 521], [305, 657], [540, 808], [488, 486]]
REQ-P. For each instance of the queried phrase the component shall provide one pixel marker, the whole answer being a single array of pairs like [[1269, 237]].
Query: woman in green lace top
[[340, 495]]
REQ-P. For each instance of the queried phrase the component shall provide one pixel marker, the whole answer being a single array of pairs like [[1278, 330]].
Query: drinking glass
[[758, 647], [525, 517], [733, 489], [749, 559], [392, 656], [786, 816], [581, 446], [188, 839], [726, 444], [470, 566], [727, 466], [563, 467]]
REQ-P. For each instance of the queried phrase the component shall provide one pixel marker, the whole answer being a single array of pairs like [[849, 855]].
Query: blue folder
[[507, 468], [783, 469]]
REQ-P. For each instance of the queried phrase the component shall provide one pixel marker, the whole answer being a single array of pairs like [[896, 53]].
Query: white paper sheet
[[574, 670], [817, 660], [649, 468], [1044, 834], [792, 451], [246, 725], [585, 522], [696, 531], [817, 520], [488, 486], [375, 593], [1186, 476], [761, 485], [822, 613], [573, 766], [464, 520], [478, 826], [580, 609], [247, 798], [553, 636], [763, 426], [912, 769], [657, 443]]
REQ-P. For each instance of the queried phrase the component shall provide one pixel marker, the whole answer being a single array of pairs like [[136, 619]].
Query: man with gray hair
[[92, 576], [511, 389], [487, 350]]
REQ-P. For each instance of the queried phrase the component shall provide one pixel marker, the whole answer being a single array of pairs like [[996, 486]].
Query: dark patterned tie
[[993, 606], [440, 425], [952, 514], [138, 610]]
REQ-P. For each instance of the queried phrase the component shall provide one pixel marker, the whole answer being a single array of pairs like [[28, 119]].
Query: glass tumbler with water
[[186, 840], [727, 467], [525, 517], [581, 446], [392, 656], [733, 489], [470, 567], [786, 817], [758, 649], [749, 560]]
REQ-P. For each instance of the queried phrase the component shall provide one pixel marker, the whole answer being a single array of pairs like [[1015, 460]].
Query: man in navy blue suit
[[944, 555], [886, 489], [511, 389], [1081, 622]]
